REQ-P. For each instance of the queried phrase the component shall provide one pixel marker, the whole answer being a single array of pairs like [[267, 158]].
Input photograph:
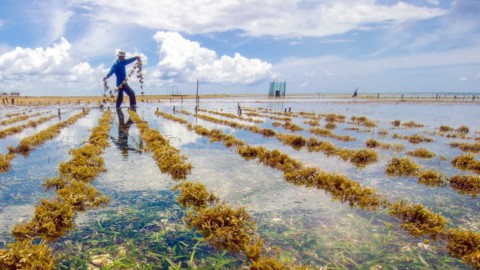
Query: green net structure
[[277, 89]]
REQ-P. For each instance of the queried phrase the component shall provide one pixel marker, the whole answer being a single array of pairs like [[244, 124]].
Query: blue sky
[[238, 46]]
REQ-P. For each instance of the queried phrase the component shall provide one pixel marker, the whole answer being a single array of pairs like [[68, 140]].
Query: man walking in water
[[355, 93], [119, 69]]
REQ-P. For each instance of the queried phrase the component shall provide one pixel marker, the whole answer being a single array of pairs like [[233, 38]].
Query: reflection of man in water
[[122, 141]]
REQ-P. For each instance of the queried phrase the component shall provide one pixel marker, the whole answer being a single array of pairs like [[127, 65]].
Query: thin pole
[[197, 99]]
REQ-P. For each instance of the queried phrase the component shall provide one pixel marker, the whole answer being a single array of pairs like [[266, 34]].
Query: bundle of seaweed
[[5, 162], [330, 125], [412, 124], [50, 221], [363, 121], [27, 255], [402, 167], [30, 124], [312, 123], [445, 128], [432, 178], [466, 184], [465, 245], [414, 139], [297, 142], [372, 143], [328, 133], [29, 143], [382, 133], [167, 157], [463, 129], [331, 117], [421, 153], [396, 123], [418, 220], [360, 158], [195, 195], [467, 162], [171, 117], [326, 147], [466, 147], [291, 126]]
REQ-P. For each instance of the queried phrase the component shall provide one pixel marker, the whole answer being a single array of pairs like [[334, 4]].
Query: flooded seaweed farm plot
[[299, 184]]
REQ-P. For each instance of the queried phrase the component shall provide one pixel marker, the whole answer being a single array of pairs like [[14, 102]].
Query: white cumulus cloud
[[285, 18], [46, 70], [186, 61]]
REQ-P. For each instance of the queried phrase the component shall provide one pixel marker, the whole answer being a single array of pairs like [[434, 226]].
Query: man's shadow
[[123, 128]]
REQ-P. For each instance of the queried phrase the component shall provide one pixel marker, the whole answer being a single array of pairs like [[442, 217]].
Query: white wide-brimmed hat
[[120, 53]]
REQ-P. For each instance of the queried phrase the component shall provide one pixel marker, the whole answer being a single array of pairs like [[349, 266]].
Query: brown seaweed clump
[[432, 178], [412, 124], [50, 221], [396, 123], [330, 125], [421, 153], [26, 255], [360, 158], [465, 245], [5, 162], [466, 184], [224, 227], [195, 195], [417, 220], [463, 129], [467, 147], [297, 142], [467, 162], [445, 128], [363, 121], [372, 143], [402, 167]]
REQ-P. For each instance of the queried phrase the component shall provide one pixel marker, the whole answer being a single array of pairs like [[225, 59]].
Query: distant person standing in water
[[119, 69], [355, 93]]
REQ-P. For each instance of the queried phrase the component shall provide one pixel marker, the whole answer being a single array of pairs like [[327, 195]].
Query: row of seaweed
[[464, 184], [20, 118], [359, 158], [30, 124], [234, 116], [221, 225], [53, 218], [29, 143], [416, 219]]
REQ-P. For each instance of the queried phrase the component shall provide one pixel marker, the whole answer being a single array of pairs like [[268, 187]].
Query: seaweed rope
[[138, 67]]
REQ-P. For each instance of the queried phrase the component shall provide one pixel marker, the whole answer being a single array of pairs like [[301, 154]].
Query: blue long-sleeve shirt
[[119, 69]]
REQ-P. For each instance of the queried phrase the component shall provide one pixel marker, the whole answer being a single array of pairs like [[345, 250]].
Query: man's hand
[[138, 57], [104, 78]]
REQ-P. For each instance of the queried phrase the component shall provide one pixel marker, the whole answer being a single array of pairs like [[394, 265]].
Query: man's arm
[[112, 70], [130, 60]]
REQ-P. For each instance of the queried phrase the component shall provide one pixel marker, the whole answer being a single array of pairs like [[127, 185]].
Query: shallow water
[[305, 224]]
